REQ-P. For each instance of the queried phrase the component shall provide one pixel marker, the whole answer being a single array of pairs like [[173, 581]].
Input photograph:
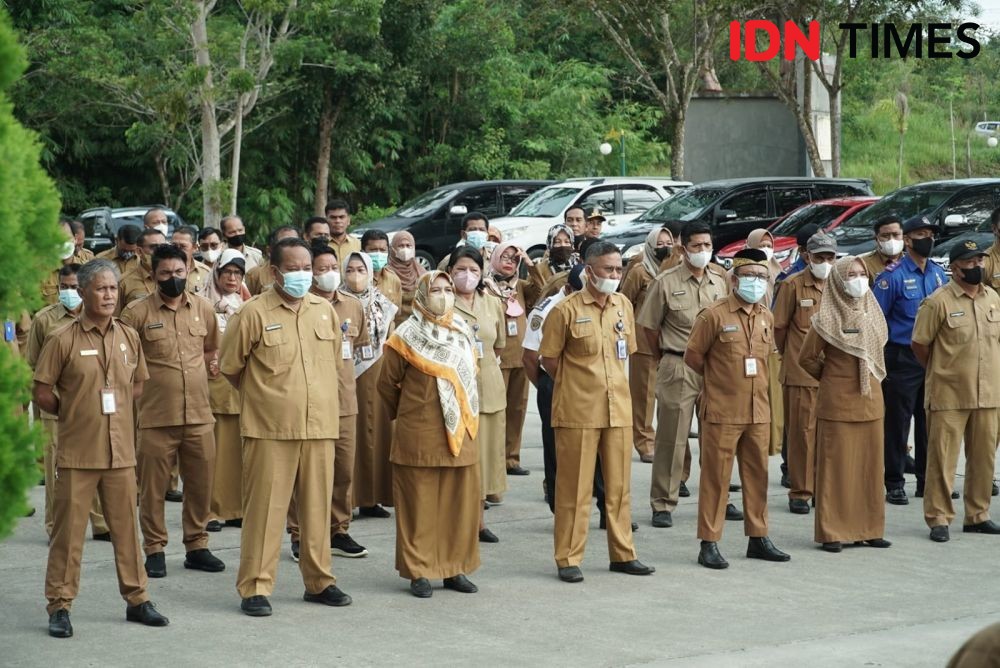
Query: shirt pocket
[[681, 311], [728, 344], [275, 351], [582, 339], [993, 323], [911, 301], [960, 328], [803, 317], [158, 343], [325, 338]]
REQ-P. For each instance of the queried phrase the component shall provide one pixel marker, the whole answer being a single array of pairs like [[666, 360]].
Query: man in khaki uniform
[[795, 304], [138, 282], [586, 341], [199, 275], [673, 300], [282, 352], [234, 233], [259, 278], [991, 264], [81, 254], [123, 253], [888, 248], [46, 321], [88, 373], [956, 336], [178, 332], [338, 214], [50, 286], [729, 346]]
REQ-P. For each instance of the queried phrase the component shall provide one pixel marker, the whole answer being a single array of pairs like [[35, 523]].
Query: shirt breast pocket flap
[[198, 329], [154, 334], [729, 337], [353, 331], [325, 338], [583, 338], [960, 326]]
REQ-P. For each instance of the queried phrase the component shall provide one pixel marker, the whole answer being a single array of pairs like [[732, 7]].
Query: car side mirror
[[725, 214], [954, 220], [458, 210]]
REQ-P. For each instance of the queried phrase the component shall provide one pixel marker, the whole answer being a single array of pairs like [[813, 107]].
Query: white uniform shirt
[[533, 337]]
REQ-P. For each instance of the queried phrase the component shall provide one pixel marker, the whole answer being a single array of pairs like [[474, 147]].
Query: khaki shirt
[[488, 323], [674, 299], [344, 249], [964, 337], [353, 328], [252, 257], [79, 362], [797, 301], [46, 321], [259, 279], [591, 387], [513, 350], [635, 286], [991, 267], [289, 361], [875, 262], [198, 278], [124, 266], [726, 335], [838, 376], [389, 285], [136, 284], [174, 343], [83, 256]]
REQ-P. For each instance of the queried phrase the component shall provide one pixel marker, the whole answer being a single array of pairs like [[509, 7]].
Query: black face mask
[[923, 247], [973, 275], [663, 252], [173, 286], [560, 254], [236, 241]]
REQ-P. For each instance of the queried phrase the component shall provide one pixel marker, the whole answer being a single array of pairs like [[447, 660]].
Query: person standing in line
[[260, 278], [338, 215], [81, 255], [123, 253], [234, 234], [210, 246], [888, 246], [375, 244], [844, 351], [559, 258], [403, 263], [50, 286], [475, 234]]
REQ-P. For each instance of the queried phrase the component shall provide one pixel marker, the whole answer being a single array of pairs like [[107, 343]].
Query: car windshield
[[546, 203], [820, 215], [905, 203], [685, 205], [425, 204]]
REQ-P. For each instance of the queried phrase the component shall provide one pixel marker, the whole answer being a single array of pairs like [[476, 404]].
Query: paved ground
[[911, 605]]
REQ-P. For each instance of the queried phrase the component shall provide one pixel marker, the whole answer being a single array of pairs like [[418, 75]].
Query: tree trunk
[[899, 180], [835, 131], [677, 145], [951, 118], [161, 173], [211, 159], [234, 171], [327, 121]]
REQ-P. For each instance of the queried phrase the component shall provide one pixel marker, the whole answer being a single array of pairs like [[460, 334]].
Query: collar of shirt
[[156, 300], [273, 300], [89, 325], [589, 298], [810, 280], [959, 293], [911, 266], [735, 304]]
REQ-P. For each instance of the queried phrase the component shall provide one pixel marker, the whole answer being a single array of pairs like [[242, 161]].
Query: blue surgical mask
[[379, 260], [476, 238], [297, 283], [70, 298], [751, 290]]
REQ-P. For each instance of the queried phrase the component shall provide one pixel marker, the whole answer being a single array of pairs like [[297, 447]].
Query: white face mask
[[856, 287], [700, 260], [328, 282], [161, 228], [405, 254], [821, 270], [768, 251], [68, 250], [891, 247], [211, 255], [605, 285]]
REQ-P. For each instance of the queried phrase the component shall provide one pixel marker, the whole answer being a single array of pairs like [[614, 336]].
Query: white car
[[620, 198], [988, 128]]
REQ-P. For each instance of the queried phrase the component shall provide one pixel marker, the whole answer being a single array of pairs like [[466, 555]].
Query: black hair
[[474, 215], [129, 234], [321, 248], [148, 232], [472, 254], [278, 249], [207, 232], [153, 210], [77, 227], [314, 220], [887, 219], [373, 235], [272, 238], [335, 204], [691, 229], [70, 269], [190, 232], [575, 207], [995, 217], [168, 252], [674, 227]]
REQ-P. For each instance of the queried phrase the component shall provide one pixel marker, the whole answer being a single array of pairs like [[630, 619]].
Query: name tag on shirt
[[678, 293], [749, 367], [8, 331], [512, 328], [271, 328], [88, 353], [807, 303], [622, 349], [851, 331], [579, 320], [155, 325], [345, 350], [956, 314], [108, 404], [728, 329], [367, 353]]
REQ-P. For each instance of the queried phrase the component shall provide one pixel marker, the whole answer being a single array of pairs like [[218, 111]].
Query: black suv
[[735, 207], [102, 223], [435, 218], [955, 206]]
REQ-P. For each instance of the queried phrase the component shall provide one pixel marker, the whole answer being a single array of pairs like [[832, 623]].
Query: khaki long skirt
[[850, 503], [492, 439], [437, 520], [227, 486], [372, 472]]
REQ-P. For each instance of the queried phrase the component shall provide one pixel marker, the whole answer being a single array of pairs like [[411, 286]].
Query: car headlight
[[515, 232], [632, 251]]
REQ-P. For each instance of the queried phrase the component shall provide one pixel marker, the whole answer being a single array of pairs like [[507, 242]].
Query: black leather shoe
[[156, 565], [798, 506], [633, 567], [877, 542], [460, 583], [256, 606], [910, 466], [785, 482], [487, 536], [570, 574], [763, 548], [710, 557], [59, 626], [203, 560], [685, 492], [663, 519], [146, 614], [996, 488], [919, 492], [329, 596], [106, 536], [897, 497], [237, 523], [517, 470], [421, 588], [732, 513], [735, 488], [832, 547], [954, 495], [375, 511], [174, 495], [940, 534], [989, 526], [213, 526]]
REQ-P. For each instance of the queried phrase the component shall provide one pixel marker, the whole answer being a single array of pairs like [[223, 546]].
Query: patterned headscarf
[[379, 314], [505, 287], [573, 258]]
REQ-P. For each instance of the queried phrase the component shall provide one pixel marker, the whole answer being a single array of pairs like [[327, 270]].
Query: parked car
[[987, 128], [982, 235], [827, 214], [101, 224], [620, 198], [956, 206], [733, 208], [435, 217]]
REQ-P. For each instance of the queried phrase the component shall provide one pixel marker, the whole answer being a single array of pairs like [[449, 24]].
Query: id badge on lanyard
[[345, 346], [749, 367]]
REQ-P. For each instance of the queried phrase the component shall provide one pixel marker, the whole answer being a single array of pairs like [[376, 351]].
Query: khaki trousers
[[344, 449], [227, 483], [97, 524], [774, 395], [516, 382], [642, 383], [719, 443], [978, 428], [191, 448], [677, 388], [271, 470], [74, 488], [576, 452], [801, 421]]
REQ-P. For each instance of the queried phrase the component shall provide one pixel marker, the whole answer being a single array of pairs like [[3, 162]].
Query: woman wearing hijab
[[372, 471], [844, 352], [403, 263], [504, 283], [642, 365], [559, 259], [428, 385]]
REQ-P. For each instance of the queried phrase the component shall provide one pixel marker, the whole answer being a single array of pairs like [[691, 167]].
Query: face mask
[[379, 260], [856, 287], [321, 240], [465, 281], [296, 284], [605, 286], [404, 254], [173, 286], [211, 255], [891, 248], [476, 238], [560, 254], [751, 291], [162, 228], [700, 260], [923, 247], [68, 249], [328, 282], [973, 275], [440, 303], [357, 282], [236, 241], [820, 270], [769, 252], [488, 248], [662, 253], [125, 256], [70, 298]]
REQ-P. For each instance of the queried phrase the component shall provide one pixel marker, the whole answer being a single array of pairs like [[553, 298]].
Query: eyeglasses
[[507, 257], [753, 277], [231, 273]]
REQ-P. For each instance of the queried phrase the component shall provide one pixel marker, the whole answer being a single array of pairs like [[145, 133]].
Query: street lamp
[[606, 148]]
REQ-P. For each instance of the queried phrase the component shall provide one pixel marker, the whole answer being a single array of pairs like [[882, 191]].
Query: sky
[[990, 15]]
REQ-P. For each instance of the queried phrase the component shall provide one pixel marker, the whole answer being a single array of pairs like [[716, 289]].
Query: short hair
[[320, 248], [71, 269], [153, 210], [601, 248], [995, 217], [335, 204], [474, 215], [314, 220], [278, 249], [472, 254], [693, 228], [188, 231], [887, 219], [206, 232], [168, 252], [373, 235], [574, 207], [92, 269], [222, 223], [77, 227], [129, 233], [64, 223], [272, 238], [149, 232]]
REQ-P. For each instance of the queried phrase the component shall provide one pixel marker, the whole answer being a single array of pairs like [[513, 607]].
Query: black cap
[[964, 251], [575, 279], [919, 222], [802, 236]]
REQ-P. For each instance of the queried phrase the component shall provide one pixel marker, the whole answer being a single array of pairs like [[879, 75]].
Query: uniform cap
[[964, 251], [750, 256], [802, 236], [594, 212], [919, 222], [821, 242]]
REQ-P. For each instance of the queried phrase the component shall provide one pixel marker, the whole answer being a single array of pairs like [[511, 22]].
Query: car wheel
[[426, 260]]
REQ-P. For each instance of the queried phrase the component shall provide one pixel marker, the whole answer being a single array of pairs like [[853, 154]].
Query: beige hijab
[[649, 261], [753, 241], [855, 326]]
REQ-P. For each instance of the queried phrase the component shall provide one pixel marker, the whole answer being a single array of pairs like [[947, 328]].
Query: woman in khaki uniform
[[428, 384], [844, 352], [485, 316], [403, 263]]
